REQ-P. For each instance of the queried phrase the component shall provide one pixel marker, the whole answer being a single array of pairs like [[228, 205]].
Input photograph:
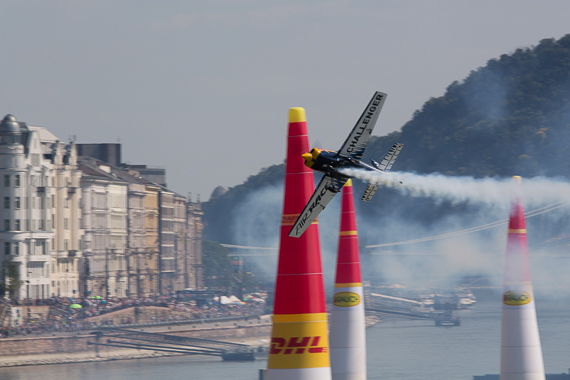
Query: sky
[[203, 88]]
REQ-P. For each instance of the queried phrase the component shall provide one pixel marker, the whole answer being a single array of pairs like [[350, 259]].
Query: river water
[[397, 349]]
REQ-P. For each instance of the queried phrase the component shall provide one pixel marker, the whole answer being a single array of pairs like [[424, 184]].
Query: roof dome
[[218, 192], [9, 126]]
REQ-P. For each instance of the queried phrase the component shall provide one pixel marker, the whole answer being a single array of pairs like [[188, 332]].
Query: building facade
[[77, 226], [40, 232], [193, 242], [66, 216], [104, 221]]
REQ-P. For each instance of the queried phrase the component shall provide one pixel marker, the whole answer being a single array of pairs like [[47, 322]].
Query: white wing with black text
[[325, 191], [356, 142]]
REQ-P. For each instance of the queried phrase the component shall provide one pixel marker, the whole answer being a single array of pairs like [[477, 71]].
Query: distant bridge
[[269, 251]]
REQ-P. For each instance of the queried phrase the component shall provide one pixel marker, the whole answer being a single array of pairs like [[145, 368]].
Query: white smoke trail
[[493, 191]]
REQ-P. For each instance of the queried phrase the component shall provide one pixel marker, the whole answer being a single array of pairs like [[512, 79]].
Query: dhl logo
[[516, 298], [296, 344], [346, 299]]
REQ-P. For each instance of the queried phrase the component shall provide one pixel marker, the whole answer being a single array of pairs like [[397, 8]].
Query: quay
[[78, 346]]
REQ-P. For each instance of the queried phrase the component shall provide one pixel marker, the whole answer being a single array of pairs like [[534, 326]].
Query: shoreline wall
[[78, 343]]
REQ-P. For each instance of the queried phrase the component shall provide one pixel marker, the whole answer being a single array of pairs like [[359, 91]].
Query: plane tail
[[385, 165], [369, 192], [388, 161]]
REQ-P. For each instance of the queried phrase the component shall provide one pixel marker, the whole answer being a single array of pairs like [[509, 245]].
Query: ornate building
[[40, 233]]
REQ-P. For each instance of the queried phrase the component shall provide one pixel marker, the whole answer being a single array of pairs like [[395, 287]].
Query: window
[[7, 248], [16, 249], [40, 224], [52, 200], [27, 224], [7, 180], [35, 159], [6, 224], [6, 202], [48, 205], [33, 202], [40, 203], [17, 202], [33, 225], [17, 180], [17, 225], [66, 223], [41, 248], [66, 245], [66, 202]]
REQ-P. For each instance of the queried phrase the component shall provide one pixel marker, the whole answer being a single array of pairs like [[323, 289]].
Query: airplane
[[332, 163]]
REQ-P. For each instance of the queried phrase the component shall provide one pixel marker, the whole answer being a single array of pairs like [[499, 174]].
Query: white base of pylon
[[521, 352], [347, 338], [349, 376], [323, 373], [523, 376], [356, 356]]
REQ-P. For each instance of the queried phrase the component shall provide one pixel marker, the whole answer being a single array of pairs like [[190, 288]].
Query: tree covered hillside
[[511, 117]]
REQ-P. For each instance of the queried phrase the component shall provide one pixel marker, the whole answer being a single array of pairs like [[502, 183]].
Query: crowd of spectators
[[74, 314]]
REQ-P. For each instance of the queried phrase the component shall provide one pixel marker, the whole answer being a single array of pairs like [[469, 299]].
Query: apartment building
[[40, 233], [104, 221], [65, 202], [193, 242]]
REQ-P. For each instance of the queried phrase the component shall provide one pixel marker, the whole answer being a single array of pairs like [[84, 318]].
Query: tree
[[11, 276], [216, 263]]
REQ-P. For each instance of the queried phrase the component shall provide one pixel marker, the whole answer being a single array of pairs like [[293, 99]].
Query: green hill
[[511, 117]]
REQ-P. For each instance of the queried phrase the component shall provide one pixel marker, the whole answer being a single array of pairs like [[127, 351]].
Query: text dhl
[[516, 298], [299, 345], [346, 299]]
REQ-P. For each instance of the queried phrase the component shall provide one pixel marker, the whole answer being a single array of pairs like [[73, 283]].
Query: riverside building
[[39, 235], [76, 226]]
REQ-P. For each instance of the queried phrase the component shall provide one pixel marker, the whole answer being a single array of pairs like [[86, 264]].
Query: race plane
[[348, 157]]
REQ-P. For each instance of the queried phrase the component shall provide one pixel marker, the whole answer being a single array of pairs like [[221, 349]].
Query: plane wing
[[325, 191], [358, 138]]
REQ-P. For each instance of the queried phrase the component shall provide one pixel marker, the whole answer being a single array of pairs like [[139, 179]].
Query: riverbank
[[65, 348], [52, 350], [106, 354]]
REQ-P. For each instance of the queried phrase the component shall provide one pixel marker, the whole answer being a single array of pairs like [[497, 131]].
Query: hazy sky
[[203, 88]]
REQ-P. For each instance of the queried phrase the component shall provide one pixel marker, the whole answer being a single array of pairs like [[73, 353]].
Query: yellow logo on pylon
[[299, 345], [346, 299], [516, 298]]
